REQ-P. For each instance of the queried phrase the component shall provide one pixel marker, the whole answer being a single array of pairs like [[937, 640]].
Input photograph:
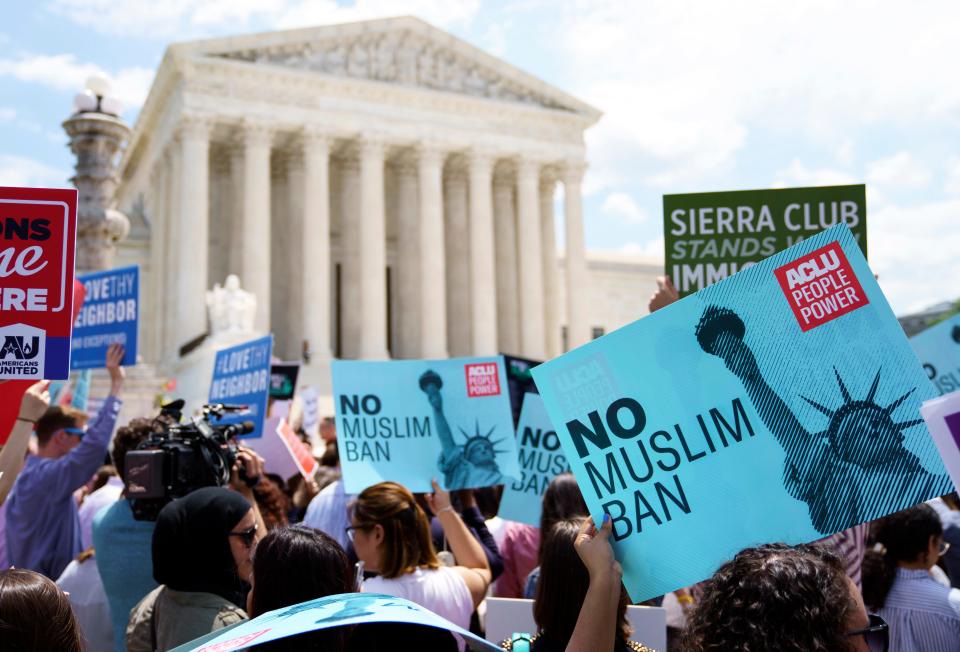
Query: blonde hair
[[407, 545]]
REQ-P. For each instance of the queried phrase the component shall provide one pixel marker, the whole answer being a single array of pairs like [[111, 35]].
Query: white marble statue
[[231, 309]]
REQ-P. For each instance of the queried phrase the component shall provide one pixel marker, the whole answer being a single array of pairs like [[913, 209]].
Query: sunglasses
[[79, 432], [876, 634], [247, 536]]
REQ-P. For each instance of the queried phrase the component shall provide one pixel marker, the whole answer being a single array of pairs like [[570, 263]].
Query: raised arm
[[596, 627], [34, 403], [471, 560]]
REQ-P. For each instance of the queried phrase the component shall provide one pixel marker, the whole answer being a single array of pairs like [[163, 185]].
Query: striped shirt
[[850, 545], [922, 614]]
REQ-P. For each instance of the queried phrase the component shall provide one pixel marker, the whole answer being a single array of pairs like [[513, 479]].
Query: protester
[[202, 548], [105, 491], [35, 615], [923, 614], [272, 500], [391, 535], [777, 597], [948, 509], [328, 512], [43, 529], [465, 503], [80, 581]]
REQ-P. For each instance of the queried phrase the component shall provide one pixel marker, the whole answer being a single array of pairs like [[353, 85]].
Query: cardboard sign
[[110, 314], [730, 419], [283, 380], [413, 420], [712, 235], [943, 419], [541, 460], [241, 376], [938, 348], [330, 611], [39, 232], [301, 455]]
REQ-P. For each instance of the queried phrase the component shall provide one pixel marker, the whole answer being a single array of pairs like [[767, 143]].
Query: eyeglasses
[[944, 547], [247, 536], [79, 432], [876, 634], [353, 528]]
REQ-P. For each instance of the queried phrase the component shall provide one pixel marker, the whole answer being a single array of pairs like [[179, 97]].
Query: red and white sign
[[483, 379], [300, 452], [38, 227], [821, 286], [237, 643]]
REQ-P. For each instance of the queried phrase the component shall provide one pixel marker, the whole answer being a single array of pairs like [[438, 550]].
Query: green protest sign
[[712, 235]]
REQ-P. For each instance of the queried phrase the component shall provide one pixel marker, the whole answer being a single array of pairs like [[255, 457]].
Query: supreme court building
[[383, 188]]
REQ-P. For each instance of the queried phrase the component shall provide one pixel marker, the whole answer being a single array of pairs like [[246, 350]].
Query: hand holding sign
[[35, 401], [665, 295], [117, 375]]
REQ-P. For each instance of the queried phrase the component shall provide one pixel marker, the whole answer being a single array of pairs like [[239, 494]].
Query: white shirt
[[89, 601], [442, 591], [108, 494], [329, 513]]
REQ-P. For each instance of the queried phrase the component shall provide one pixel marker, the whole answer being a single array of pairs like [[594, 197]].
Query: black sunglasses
[[876, 634], [247, 536]]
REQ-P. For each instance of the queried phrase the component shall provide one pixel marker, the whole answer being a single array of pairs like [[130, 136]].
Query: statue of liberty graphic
[[854, 470], [473, 464]]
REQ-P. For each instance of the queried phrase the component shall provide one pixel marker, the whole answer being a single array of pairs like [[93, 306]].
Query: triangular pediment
[[404, 51]]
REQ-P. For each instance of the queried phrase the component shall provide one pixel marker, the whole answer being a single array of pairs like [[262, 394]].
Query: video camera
[[182, 457]]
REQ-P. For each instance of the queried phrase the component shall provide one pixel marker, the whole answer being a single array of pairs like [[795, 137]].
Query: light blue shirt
[[43, 530], [922, 614], [328, 512]]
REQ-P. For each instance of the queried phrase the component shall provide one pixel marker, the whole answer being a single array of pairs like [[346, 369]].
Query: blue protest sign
[[541, 460], [780, 404], [938, 348], [331, 611], [241, 376], [413, 420], [110, 314]]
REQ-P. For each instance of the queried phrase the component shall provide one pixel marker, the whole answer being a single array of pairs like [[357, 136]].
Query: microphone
[[235, 429]]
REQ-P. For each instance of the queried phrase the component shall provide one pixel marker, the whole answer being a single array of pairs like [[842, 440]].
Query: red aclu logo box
[[821, 286], [483, 379]]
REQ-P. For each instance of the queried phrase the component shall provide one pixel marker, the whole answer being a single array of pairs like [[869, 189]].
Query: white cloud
[[952, 182], [798, 174], [900, 170], [622, 206], [20, 171], [64, 72], [650, 250], [7, 114]]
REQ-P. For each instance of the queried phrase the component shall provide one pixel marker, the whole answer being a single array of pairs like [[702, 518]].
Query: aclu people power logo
[[821, 286], [483, 379]]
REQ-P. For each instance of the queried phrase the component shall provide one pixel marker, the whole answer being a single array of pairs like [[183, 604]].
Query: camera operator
[[43, 528]]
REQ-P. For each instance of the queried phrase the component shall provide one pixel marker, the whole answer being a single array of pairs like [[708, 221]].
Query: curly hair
[[130, 436], [774, 597]]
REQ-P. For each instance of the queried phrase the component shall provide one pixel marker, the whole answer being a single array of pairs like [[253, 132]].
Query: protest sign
[[413, 420], [283, 380], [110, 314], [241, 376], [276, 456], [299, 452], [519, 382], [943, 419], [540, 458], [39, 229], [712, 235], [938, 348], [340, 610], [780, 404]]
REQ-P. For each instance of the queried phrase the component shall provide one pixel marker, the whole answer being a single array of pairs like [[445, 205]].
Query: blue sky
[[697, 96]]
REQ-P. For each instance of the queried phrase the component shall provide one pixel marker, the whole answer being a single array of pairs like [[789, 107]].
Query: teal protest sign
[[938, 348], [331, 611], [413, 420], [712, 235], [780, 404], [541, 460]]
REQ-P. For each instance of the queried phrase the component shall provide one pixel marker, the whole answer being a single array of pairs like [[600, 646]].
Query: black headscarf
[[191, 549]]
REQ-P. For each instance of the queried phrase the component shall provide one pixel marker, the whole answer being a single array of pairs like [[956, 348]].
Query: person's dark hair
[[331, 455], [35, 615], [56, 418], [128, 437], [900, 537], [563, 585], [488, 500], [774, 597], [295, 564], [102, 477], [273, 502], [562, 501], [407, 545]]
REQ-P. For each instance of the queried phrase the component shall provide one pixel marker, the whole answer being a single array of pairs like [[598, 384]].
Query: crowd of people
[[84, 574]]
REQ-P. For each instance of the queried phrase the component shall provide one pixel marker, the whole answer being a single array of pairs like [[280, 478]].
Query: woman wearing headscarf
[[202, 547]]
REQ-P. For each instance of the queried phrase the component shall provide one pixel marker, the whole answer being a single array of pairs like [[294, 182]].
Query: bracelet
[[448, 508], [27, 420]]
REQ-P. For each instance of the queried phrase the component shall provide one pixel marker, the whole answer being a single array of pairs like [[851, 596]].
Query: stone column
[[408, 262], [508, 296], [193, 227], [315, 252], [292, 312], [352, 318], [531, 299], [237, 174], [578, 327], [171, 248], [373, 252], [159, 215], [433, 289], [548, 238], [483, 314], [256, 219], [457, 235]]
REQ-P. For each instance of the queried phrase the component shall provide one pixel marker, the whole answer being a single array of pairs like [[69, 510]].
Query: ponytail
[[878, 571]]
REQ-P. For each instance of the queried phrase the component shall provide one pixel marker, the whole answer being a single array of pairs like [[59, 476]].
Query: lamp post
[[97, 135]]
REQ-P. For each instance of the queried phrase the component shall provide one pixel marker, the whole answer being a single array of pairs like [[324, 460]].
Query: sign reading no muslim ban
[[938, 348], [712, 235], [541, 460], [241, 376], [39, 230], [781, 404], [943, 419], [413, 420], [110, 315]]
